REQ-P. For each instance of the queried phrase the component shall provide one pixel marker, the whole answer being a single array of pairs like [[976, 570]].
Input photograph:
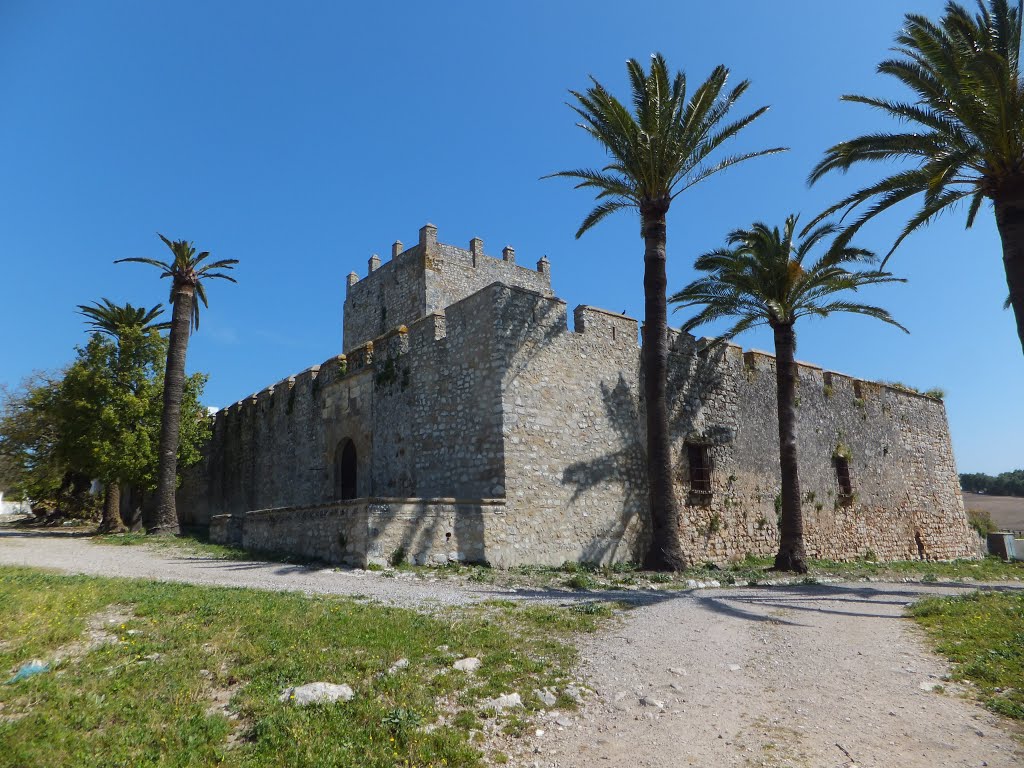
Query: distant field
[[1007, 511]]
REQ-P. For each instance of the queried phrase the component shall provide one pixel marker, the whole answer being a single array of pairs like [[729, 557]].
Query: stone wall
[[278, 447], [574, 447], [906, 501], [365, 531], [495, 398], [422, 406]]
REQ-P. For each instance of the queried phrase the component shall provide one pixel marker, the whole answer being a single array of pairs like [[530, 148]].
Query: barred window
[[699, 459], [843, 477]]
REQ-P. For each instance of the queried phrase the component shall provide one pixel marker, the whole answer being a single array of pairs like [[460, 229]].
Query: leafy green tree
[[1004, 484], [764, 277], [28, 442], [965, 138], [124, 395], [187, 273], [109, 411], [103, 406], [666, 145]]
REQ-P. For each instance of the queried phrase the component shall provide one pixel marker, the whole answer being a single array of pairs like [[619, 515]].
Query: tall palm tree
[[965, 136], [665, 146], [187, 272], [763, 278], [125, 325]]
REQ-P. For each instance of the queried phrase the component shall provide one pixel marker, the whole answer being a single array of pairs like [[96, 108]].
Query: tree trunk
[[665, 552], [111, 520], [165, 519], [791, 555], [1010, 221]]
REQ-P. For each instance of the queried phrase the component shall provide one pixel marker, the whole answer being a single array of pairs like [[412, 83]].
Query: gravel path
[[815, 676], [74, 554]]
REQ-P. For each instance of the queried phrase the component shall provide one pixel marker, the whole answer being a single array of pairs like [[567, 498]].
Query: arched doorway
[[345, 470]]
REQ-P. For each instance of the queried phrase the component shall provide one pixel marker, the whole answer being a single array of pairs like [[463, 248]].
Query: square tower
[[427, 278]]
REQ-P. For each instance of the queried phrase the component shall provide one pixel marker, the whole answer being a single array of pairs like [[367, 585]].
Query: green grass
[[112, 706], [186, 542], [983, 634]]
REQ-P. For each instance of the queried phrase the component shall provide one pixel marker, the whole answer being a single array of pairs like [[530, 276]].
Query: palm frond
[[761, 278], [967, 98], [186, 268], [661, 147]]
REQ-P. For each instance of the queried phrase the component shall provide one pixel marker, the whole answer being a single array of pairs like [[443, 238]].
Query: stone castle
[[466, 421]]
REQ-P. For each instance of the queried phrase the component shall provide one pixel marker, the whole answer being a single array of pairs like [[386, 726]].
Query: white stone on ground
[[547, 698], [316, 693], [505, 701], [470, 664]]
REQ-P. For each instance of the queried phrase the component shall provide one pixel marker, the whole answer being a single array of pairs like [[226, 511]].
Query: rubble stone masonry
[[479, 427]]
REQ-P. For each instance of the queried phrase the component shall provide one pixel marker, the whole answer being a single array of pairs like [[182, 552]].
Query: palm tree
[[661, 149], [762, 278], [114, 320], [965, 133], [125, 325], [187, 273]]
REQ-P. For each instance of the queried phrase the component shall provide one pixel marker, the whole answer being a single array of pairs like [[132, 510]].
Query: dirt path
[[75, 554], [815, 676]]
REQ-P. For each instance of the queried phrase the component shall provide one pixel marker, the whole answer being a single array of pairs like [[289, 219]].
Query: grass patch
[[120, 704], [983, 634], [988, 569], [192, 544]]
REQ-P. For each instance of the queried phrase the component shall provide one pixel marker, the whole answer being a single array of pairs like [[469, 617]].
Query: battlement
[[427, 278], [756, 360]]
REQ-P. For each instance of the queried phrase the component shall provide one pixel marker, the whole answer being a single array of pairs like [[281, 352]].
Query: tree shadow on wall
[[619, 469], [694, 374], [425, 529]]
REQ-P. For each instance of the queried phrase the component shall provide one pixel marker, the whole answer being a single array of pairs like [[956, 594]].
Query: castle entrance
[[345, 470]]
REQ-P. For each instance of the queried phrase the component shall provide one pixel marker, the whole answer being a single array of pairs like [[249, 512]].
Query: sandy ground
[[1007, 511], [815, 676]]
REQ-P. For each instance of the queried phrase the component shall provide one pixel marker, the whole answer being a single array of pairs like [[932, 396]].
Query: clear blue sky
[[301, 137]]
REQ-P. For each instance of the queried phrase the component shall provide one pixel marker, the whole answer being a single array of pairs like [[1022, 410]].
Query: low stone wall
[[438, 531], [365, 531]]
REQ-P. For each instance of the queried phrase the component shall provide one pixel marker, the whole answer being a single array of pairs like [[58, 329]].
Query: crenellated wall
[[425, 279], [575, 456], [493, 425]]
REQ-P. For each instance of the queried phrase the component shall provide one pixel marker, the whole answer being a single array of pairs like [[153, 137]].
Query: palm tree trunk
[[111, 521], [791, 555], [1010, 221], [165, 519], [665, 552]]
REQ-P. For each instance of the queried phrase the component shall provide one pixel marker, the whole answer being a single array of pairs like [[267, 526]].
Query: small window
[[843, 477], [858, 390], [699, 460]]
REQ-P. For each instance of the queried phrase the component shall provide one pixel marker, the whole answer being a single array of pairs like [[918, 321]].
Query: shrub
[[398, 557], [581, 581], [981, 521]]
